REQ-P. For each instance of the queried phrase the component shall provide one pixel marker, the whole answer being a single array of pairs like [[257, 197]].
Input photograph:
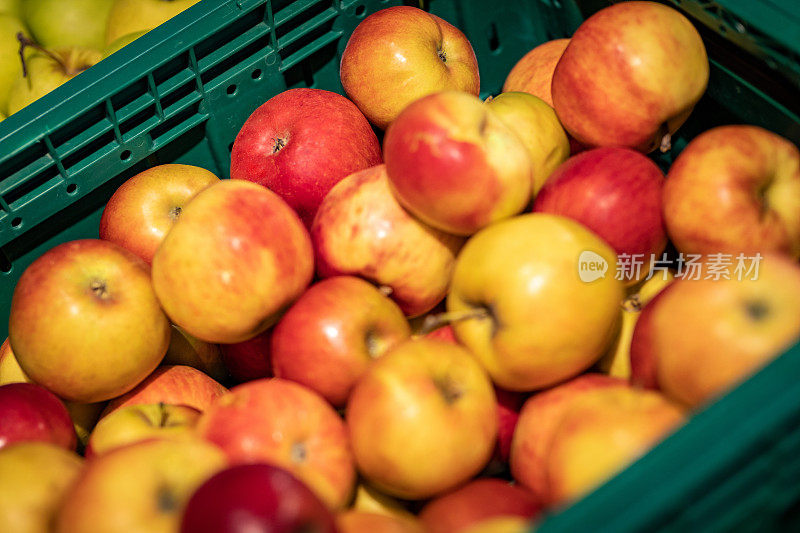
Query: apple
[[509, 405], [140, 487], [135, 423], [10, 65], [234, 260], [533, 73], [700, 337], [32, 413], [10, 371], [288, 425], [121, 42], [400, 54], [361, 230], [443, 333], [55, 23], [537, 125], [144, 208], [538, 421], [187, 350], [502, 524], [601, 433], [616, 193], [11, 7], [479, 500], [422, 419], [255, 497], [47, 69], [34, 478], [179, 385], [301, 143], [94, 301], [735, 189], [249, 360], [451, 145], [354, 521], [332, 333], [520, 324], [630, 76], [128, 16], [370, 500]]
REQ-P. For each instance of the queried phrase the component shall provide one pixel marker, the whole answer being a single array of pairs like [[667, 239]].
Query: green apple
[[58, 23], [12, 7], [128, 16], [123, 41], [10, 65], [48, 70]]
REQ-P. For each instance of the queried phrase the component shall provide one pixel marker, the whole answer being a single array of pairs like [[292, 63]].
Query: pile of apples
[[63, 38], [421, 334]]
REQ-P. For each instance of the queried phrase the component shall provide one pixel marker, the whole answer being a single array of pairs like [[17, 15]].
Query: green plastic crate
[[181, 93]]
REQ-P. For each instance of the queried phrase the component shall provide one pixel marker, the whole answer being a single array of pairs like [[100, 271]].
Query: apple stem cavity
[[757, 310], [167, 502], [451, 392], [175, 212], [632, 304], [373, 343], [441, 55], [99, 289], [438, 320], [298, 452]]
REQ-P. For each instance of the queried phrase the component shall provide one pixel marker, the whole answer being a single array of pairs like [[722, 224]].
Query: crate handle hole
[[17, 222], [494, 40], [360, 10], [256, 74], [5, 263], [125, 155], [72, 188], [230, 147], [231, 90]]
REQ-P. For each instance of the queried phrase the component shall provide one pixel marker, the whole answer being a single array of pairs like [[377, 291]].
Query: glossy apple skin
[[400, 54], [140, 487], [526, 337], [538, 421], [452, 145], [735, 189], [355, 521], [301, 143], [435, 391], [285, 424], [32, 413], [92, 300], [631, 73], [263, 497], [143, 209], [234, 260], [136, 423], [177, 385], [616, 193], [362, 230], [34, 479], [475, 502], [332, 334], [533, 73], [250, 359], [600, 434], [699, 338]]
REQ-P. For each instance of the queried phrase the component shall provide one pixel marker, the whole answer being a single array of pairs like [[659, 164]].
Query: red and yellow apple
[[29, 412], [355, 521], [533, 73]]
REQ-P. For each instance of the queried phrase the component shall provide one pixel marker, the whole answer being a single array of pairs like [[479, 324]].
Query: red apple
[[735, 189], [509, 405], [85, 321], [423, 419], [29, 412], [400, 54], [475, 502], [285, 424], [234, 260], [300, 143], [361, 230], [616, 193], [332, 333], [177, 385], [255, 497], [451, 145], [533, 73], [443, 333], [144, 208], [538, 421], [630, 76], [355, 521], [250, 359]]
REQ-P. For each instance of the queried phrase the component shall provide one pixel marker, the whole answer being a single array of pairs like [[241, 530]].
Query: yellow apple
[[129, 16], [10, 64], [12, 7], [517, 297], [56, 23], [141, 487], [34, 478], [503, 524], [136, 423], [537, 125], [371, 500], [122, 42], [354, 521]]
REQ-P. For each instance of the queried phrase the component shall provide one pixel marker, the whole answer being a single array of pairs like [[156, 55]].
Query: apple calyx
[[99, 289], [174, 213], [442, 55], [373, 342], [167, 502], [438, 320], [757, 310], [632, 303], [298, 452], [279, 143], [449, 389]]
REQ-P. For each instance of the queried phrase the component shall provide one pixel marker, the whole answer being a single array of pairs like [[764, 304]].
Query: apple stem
[[632, 304], [24, 43], [666, 143], [438, 320]]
